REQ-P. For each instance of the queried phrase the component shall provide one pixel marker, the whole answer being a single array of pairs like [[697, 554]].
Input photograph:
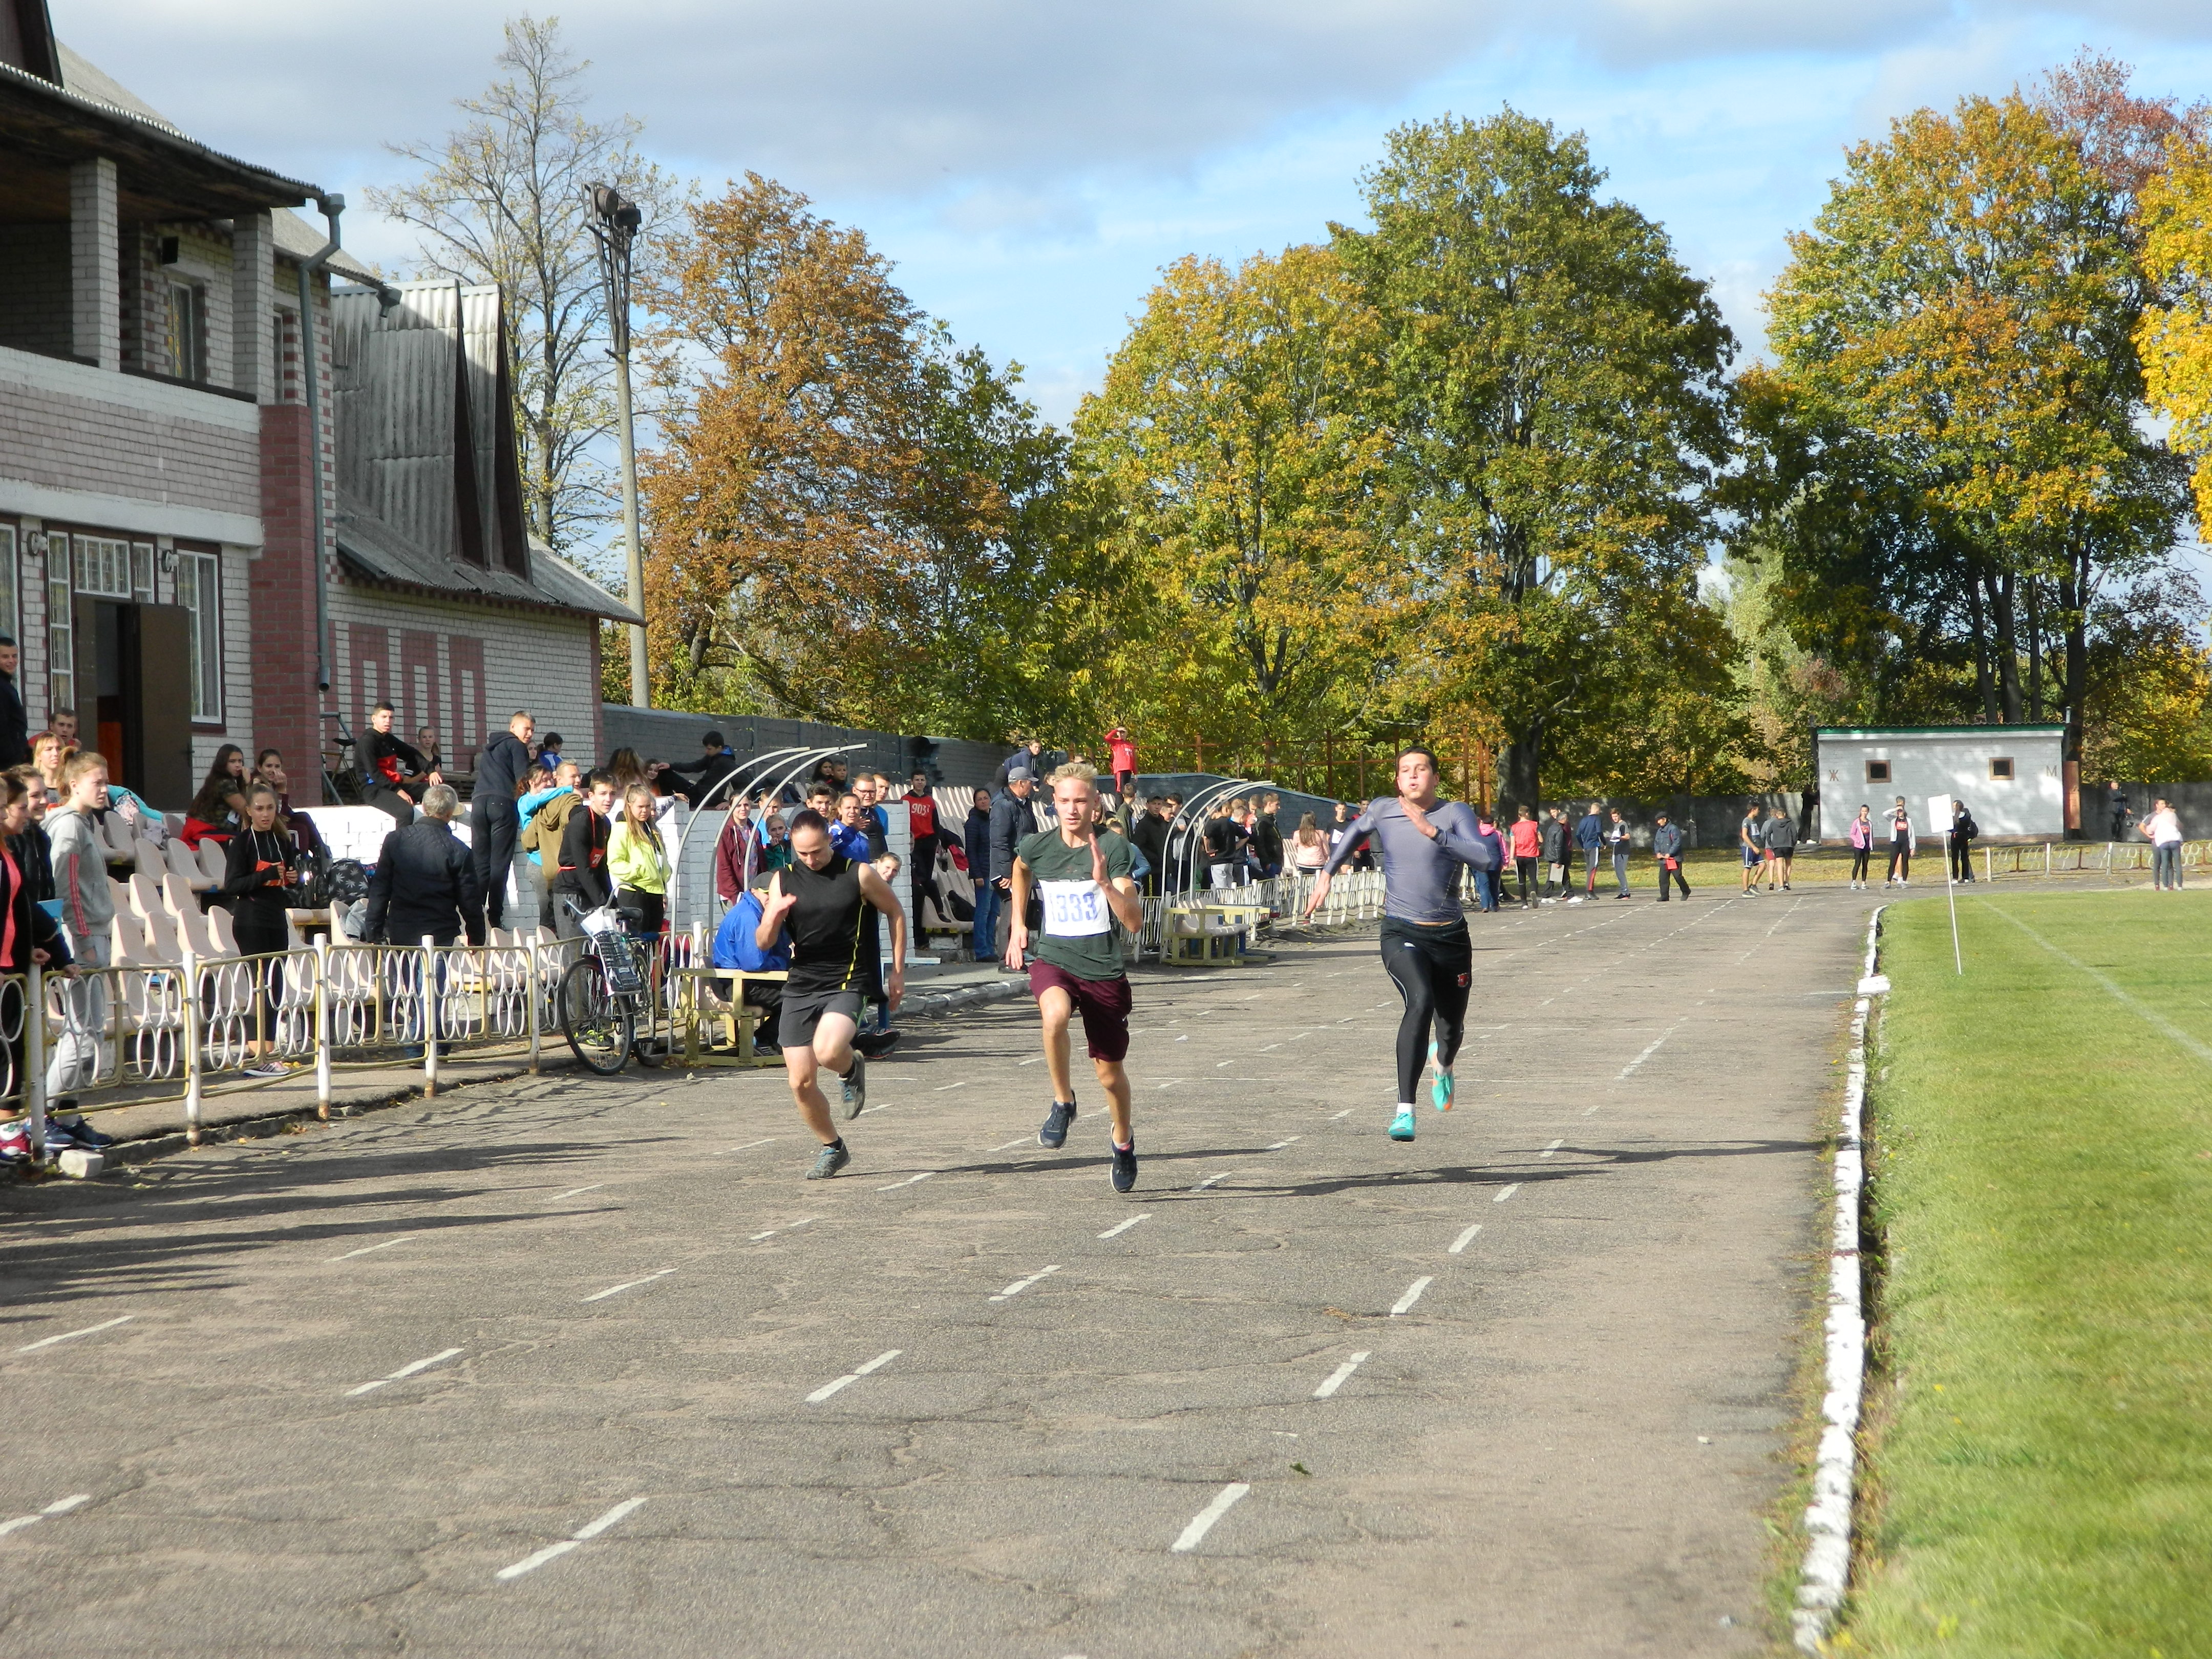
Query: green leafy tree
[[1559, 412], [1237, 431]]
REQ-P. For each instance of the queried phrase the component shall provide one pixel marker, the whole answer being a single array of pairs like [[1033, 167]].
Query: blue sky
[[1030, 164]]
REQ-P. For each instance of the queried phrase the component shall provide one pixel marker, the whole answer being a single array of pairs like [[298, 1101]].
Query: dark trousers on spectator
[[1670, 871], [492, 826], [1526, 869], [1962, 861], [384, 798]]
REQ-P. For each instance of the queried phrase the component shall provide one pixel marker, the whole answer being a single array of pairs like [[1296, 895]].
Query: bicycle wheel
[[596, 1025]]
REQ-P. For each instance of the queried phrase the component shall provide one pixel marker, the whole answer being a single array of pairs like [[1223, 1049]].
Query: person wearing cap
[[1012, 821]]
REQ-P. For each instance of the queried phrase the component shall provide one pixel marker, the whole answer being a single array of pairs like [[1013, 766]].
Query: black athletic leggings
[[1432, 967], [1859, 857]]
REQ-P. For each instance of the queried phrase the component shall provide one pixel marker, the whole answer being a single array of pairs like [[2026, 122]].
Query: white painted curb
[[1827, 1568]]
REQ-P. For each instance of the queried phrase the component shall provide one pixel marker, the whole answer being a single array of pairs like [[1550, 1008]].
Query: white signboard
[[1939, 816]]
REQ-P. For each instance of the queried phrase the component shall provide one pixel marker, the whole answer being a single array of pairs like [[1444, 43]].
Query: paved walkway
[[560, 1367]]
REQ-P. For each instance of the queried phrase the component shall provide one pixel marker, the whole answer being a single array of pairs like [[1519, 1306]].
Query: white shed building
[[2011, 777]]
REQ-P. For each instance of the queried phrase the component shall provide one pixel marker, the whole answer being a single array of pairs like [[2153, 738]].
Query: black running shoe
[[856, 1087], [1124, 1167], [1054, 1130], [875, 1044], [832, 1159]]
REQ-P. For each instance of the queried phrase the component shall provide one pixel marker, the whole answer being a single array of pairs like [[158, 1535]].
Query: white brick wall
[[535, 661]]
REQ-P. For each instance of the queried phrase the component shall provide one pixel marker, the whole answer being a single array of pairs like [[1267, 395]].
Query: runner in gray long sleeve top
[[1425, 948]]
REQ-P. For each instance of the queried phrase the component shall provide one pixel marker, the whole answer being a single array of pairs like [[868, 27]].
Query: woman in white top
[[1902, 842], [2163, 830], [1308, 846]]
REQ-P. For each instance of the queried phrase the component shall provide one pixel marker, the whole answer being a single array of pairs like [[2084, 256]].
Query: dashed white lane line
[[1333, 1116], [370, 1249], [59, 1506], [1171, 1082], [773, 1231], [1271, 1048], [1627, 1070], [1202, 1522], [909, 1181], [1337, 1378], [1404, 1303], [1504, 1193], [1210, 1180], [573, 1192], [1018, 1140], [1554, 1147], [581, 1536], [853, 1376], [1279, 1145], [1121, 1227], [747, 1147], [616, 1290], [104, 1325], [1038, 1060], [942, 1087], [1021, 1285], [404, 1373], [1459, 1245]]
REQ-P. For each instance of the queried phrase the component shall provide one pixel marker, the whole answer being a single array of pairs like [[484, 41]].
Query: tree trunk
[[1983, 688], [2034, 649], [2073, 600], [1518, 766], [2003, 613]]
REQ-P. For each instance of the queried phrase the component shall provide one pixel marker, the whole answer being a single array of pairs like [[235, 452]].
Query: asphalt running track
[[567, 1368]]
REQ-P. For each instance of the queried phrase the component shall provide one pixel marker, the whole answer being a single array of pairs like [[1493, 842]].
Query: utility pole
[[614, 223]]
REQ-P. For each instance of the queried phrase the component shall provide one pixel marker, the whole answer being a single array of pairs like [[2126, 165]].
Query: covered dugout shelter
[[2013, 778]]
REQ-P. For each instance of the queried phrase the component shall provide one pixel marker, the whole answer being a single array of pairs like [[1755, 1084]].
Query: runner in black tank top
[[828, 904]]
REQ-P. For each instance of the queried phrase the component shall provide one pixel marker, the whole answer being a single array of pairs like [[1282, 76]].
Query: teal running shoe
[[1440, 1086], [1401, 1127]]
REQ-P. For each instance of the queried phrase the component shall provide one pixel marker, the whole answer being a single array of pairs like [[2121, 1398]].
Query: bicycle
[[607, 993]]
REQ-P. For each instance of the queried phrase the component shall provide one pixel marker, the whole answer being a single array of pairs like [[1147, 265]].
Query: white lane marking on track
[[1219, 1064], [853, 1376], [1185, 1037], [613, 1290], [1279, 1145], [1018, 1140], [909, 1181], [573, 1192], [942, 1087], [1554, 1147], [1209, 1181], [747, 1147], [1271, 1047], [581, 1536], [59, 1506], [49, 1341], [756, 1238], [1340, 1376], [1347, 1112], [1202, 1522], [1649, 1052], [1171, 1082], [1504, 1193], [1120, 1227], [404, 1373], [1021, 1285], [1037, 1060], [1459, 1245], [1405, 1302], [367, 1249]]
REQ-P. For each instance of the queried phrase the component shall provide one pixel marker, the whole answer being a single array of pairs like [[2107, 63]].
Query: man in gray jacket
[[1012, 821], [1667, 848]]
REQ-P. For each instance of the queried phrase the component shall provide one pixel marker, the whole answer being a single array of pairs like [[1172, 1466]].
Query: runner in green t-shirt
[[1082, 871]]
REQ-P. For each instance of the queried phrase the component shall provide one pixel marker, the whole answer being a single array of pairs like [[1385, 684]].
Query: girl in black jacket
[[27, 934], [260, 880]]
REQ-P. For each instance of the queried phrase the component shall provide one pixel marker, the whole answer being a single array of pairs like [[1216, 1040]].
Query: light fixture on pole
[[614, 222]]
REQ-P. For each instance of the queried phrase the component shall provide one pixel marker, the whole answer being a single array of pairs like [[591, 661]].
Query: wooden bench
[[738, 1020]]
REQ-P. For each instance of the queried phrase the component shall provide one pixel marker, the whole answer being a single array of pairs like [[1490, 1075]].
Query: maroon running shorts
[[1104, 1004]]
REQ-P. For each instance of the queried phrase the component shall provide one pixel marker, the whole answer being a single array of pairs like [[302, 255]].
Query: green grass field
[[2039, 1478]]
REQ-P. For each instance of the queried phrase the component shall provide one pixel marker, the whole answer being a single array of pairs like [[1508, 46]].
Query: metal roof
[[2040, 726], [429, 493]]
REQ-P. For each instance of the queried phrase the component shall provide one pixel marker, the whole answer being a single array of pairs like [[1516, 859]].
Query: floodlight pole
[[614, 223]]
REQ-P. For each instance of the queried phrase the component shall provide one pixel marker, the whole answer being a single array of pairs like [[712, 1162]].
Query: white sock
[[1405, 1105]]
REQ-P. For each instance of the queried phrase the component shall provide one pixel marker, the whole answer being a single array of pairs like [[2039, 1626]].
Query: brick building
[[159, 445]]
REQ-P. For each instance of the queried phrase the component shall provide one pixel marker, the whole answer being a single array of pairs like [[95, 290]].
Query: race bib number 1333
[[1074, 909]]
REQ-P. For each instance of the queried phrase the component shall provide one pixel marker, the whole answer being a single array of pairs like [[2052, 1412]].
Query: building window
[[1877, 771], [114, 569], [188, 332], [61, 627], [2001, 768], [10, 612], [199, 590]]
